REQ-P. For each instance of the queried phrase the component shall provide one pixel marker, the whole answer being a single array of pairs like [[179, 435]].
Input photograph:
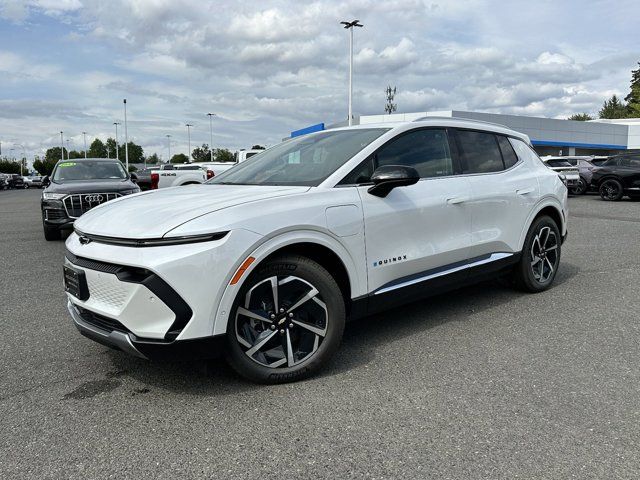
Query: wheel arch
[[549, 208], [318, 246]]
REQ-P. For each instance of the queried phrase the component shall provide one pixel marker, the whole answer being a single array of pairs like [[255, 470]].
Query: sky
[[266, 68]]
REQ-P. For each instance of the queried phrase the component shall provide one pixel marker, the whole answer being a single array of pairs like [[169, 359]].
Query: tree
[[201, 154], [258, 147], [110, 144], [97, 149], [223, 155], [179, 158], [9, 166], [580, 117], [154, 159], [53, 154], [76, 154], [633, 99], [44, 166], [613, 108], [136, 153], [390, 107]]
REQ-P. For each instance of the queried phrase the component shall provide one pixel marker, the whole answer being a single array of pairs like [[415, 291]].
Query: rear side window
[[479, 152], [508, 154], [425, 150]]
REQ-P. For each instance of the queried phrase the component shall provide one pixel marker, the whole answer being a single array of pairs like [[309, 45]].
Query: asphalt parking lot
[[484, 382]]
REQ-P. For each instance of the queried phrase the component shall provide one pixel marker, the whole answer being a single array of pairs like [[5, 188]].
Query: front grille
[[100, 321], [79, 203]]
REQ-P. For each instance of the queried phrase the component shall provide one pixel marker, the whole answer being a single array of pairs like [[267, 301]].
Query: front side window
[[479, 152], [304, 161], [426, 150], [88, 170]]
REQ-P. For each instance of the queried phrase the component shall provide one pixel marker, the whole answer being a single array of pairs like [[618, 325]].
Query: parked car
[[585, 168], [76, 186], [142, 177], [33, 181], [15, 181], [617, 177], [267, 260], [3, 182], [569, 174], [176, 175]]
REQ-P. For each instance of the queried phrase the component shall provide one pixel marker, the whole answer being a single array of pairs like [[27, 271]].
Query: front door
[[418, 231]]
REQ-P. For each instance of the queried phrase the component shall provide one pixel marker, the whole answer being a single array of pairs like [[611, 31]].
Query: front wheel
[[540, 259], [611, 190], [287, 321]]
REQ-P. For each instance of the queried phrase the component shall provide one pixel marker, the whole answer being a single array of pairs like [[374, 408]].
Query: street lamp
[[188, 125], [211, 115], [67, 149], [117, 155], [169, 146], [126, 138], [61, 146], [84, 135], [349, 26], [24, 151]]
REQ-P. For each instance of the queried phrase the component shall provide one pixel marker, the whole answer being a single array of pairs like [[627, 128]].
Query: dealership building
[[549, 136]]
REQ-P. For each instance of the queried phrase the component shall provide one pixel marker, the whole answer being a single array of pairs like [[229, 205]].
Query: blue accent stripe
[[318, 127], [544, 143]]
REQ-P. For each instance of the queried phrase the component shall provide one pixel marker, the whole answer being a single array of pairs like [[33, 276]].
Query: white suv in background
[[266, 261]]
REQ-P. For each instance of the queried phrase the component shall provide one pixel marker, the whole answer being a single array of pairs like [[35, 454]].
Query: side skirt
[[432, 282]]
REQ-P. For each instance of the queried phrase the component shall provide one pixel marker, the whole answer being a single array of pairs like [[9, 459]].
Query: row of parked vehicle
[[612, 177], [14, 181]]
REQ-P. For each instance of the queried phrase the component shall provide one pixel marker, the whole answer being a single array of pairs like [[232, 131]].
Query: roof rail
[[462, 119]]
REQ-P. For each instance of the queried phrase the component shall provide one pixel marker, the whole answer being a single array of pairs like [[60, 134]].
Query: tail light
[[210, 174], [155, 179]]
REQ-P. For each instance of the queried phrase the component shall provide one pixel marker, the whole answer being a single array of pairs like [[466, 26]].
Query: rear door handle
[[456, 200], [525, 191]]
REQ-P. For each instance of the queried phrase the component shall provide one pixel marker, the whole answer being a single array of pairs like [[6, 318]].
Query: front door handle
[[456, 200], [525, 191]]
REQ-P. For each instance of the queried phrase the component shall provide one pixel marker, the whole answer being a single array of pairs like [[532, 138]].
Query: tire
[[288, 344], [51, 234], [611, 190], [543, 244], [581, 188]]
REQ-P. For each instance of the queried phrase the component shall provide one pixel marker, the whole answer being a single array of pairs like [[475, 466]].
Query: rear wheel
[[540, 256], [580, 188], [611, 190], [286, 322]]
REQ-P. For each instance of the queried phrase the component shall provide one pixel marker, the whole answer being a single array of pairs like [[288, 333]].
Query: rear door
[[504, 189], [417, 229], [629, 171]]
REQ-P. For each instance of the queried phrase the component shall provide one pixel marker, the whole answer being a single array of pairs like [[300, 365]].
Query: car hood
[[153, 214], [91, 186]]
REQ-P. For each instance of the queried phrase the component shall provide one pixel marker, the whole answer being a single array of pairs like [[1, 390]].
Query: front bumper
[[127, 342]]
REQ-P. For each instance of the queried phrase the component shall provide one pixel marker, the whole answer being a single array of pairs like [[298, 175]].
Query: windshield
[[304, 161], [88, 170]]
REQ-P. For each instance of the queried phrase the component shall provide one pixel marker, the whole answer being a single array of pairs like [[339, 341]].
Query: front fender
[[357, 276]]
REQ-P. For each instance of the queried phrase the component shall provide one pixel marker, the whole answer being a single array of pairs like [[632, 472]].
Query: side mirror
[[133, 177], [388, 177], [45, 181]]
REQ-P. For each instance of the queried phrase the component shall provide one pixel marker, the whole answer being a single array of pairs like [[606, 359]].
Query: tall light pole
[[24, 151], [61, 146], [117, 148], [188, 125], [349, 26], [169, 146], [84, 135], [211, 115], [126, 138], [67, 149]]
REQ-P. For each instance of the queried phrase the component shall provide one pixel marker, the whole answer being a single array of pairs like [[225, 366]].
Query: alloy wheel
[[610, 190], [282, 322], [544, 254]]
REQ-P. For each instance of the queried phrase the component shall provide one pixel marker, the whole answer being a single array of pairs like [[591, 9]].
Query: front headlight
[[53, 196]]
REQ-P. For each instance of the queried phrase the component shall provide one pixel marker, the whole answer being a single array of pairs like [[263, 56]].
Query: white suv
[[266, 261]]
